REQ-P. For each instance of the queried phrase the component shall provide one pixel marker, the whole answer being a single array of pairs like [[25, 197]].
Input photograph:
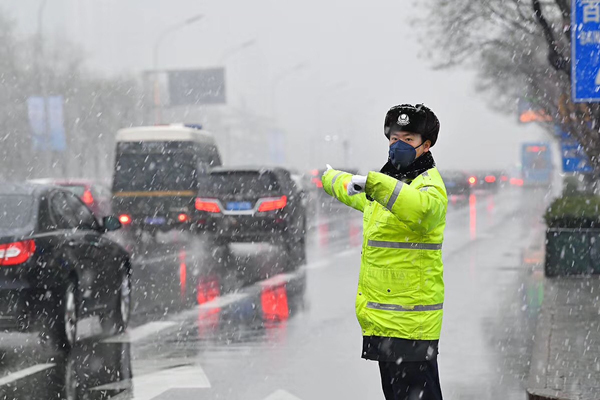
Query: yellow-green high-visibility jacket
[[401, 285]]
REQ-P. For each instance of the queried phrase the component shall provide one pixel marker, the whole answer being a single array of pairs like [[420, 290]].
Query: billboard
[[197, 86], [46, 121]]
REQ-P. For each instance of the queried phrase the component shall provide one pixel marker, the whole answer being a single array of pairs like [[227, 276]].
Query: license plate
[[155, 220], [239, 206]]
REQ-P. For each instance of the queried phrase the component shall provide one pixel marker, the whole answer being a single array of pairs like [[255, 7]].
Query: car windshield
[[241, 182], [154, 172], [15, 211]]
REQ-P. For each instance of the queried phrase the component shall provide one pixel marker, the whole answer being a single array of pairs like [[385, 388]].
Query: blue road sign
[[585, 50], [36, 111], [46, 120], [574, 158], [56, 123]]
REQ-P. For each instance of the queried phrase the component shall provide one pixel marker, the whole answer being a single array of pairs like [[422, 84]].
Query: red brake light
[[273, 204], [472, 180], [490, 179], [318, 183], [516, 181], [182, 217], [125, 219], [87, 197], [208, 205], [16, 253]]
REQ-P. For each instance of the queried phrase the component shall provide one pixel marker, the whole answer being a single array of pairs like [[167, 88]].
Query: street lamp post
[[280, 78], [41, 74], [278, 140], [317, 149], [159, 40], [236, 49]]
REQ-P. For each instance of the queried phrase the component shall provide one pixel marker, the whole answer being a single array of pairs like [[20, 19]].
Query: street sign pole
[[585, 51]]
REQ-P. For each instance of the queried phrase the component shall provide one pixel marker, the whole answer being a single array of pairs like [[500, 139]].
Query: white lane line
[[15, 376], [141, 332], [278, 280], [328, 261], [281, 395], [149, 386], [222, 301]]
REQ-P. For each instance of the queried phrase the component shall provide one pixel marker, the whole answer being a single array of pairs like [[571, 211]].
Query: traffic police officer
[[400, 298]]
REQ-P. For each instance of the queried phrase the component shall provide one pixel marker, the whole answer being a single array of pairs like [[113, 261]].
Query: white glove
[[357, 185], [328, 169]]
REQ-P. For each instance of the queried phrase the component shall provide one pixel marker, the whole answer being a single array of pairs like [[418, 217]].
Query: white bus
[[157, 174]]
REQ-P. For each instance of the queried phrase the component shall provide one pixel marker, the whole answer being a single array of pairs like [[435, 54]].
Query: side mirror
[[111, 223]]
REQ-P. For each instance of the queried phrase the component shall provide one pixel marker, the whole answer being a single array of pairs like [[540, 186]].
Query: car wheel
[[116, 320], [60, 323]]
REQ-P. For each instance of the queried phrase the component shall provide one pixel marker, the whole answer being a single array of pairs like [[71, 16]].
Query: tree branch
[[557, 61]]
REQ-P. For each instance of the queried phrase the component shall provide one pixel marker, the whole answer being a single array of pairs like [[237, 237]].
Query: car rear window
[[242, 182], [77, 190], [147, 172], [15, 211]]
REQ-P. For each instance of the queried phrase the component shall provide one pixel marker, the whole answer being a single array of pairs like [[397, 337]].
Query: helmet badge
[[403, 120]]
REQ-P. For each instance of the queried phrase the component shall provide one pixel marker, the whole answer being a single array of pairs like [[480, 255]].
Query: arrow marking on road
[[282, 395], [15, 376], [149, 386], [141, 332]]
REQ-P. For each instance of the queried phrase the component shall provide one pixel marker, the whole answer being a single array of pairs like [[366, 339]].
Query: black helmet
[[416, 119]]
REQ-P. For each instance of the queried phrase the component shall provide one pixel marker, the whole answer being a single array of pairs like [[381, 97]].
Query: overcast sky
[[360, 59]]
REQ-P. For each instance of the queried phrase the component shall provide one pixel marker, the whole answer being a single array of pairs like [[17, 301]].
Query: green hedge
[[574, 211]]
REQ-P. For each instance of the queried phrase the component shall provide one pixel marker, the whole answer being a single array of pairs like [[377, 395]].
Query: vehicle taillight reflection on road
[[274, 304], [473, 216], [208, 289]]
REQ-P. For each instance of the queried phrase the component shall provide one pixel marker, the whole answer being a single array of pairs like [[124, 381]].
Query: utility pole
[[155, 54]]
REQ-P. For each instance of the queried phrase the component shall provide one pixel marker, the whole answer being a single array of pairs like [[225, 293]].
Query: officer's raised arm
[[336, 184], [421, 208]]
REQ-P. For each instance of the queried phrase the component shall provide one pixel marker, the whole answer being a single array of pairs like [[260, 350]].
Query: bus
[[158, 170], [536, 164]]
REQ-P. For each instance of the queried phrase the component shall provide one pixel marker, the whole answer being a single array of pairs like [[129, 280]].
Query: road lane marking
[[281, 395], [222, 301], [15, 376], [328, 261], [149, 386], [278, 280], [141, 332]]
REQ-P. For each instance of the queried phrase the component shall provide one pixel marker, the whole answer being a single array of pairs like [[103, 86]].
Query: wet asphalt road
[[246, 324]]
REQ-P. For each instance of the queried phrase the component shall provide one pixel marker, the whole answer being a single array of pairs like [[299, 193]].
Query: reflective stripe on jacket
[[401, 286]]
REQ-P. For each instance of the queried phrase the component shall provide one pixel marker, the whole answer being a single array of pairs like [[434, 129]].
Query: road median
[[565, 362]]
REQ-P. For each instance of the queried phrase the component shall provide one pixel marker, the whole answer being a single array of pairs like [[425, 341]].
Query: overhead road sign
[[585, 50]]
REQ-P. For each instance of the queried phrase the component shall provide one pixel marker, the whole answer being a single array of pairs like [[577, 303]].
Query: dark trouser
[[410, 380]]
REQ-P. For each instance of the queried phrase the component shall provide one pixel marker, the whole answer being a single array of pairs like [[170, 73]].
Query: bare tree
[[521, 49], [94, 108]]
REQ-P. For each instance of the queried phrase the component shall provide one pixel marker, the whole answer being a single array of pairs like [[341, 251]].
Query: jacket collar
[[420, 165]]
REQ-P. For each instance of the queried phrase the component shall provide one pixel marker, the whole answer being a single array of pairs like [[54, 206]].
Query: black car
[[57, 266], [488, 180], [253, 204]]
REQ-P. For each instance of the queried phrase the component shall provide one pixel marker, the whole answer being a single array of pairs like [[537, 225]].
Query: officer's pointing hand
[[357, 185]]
